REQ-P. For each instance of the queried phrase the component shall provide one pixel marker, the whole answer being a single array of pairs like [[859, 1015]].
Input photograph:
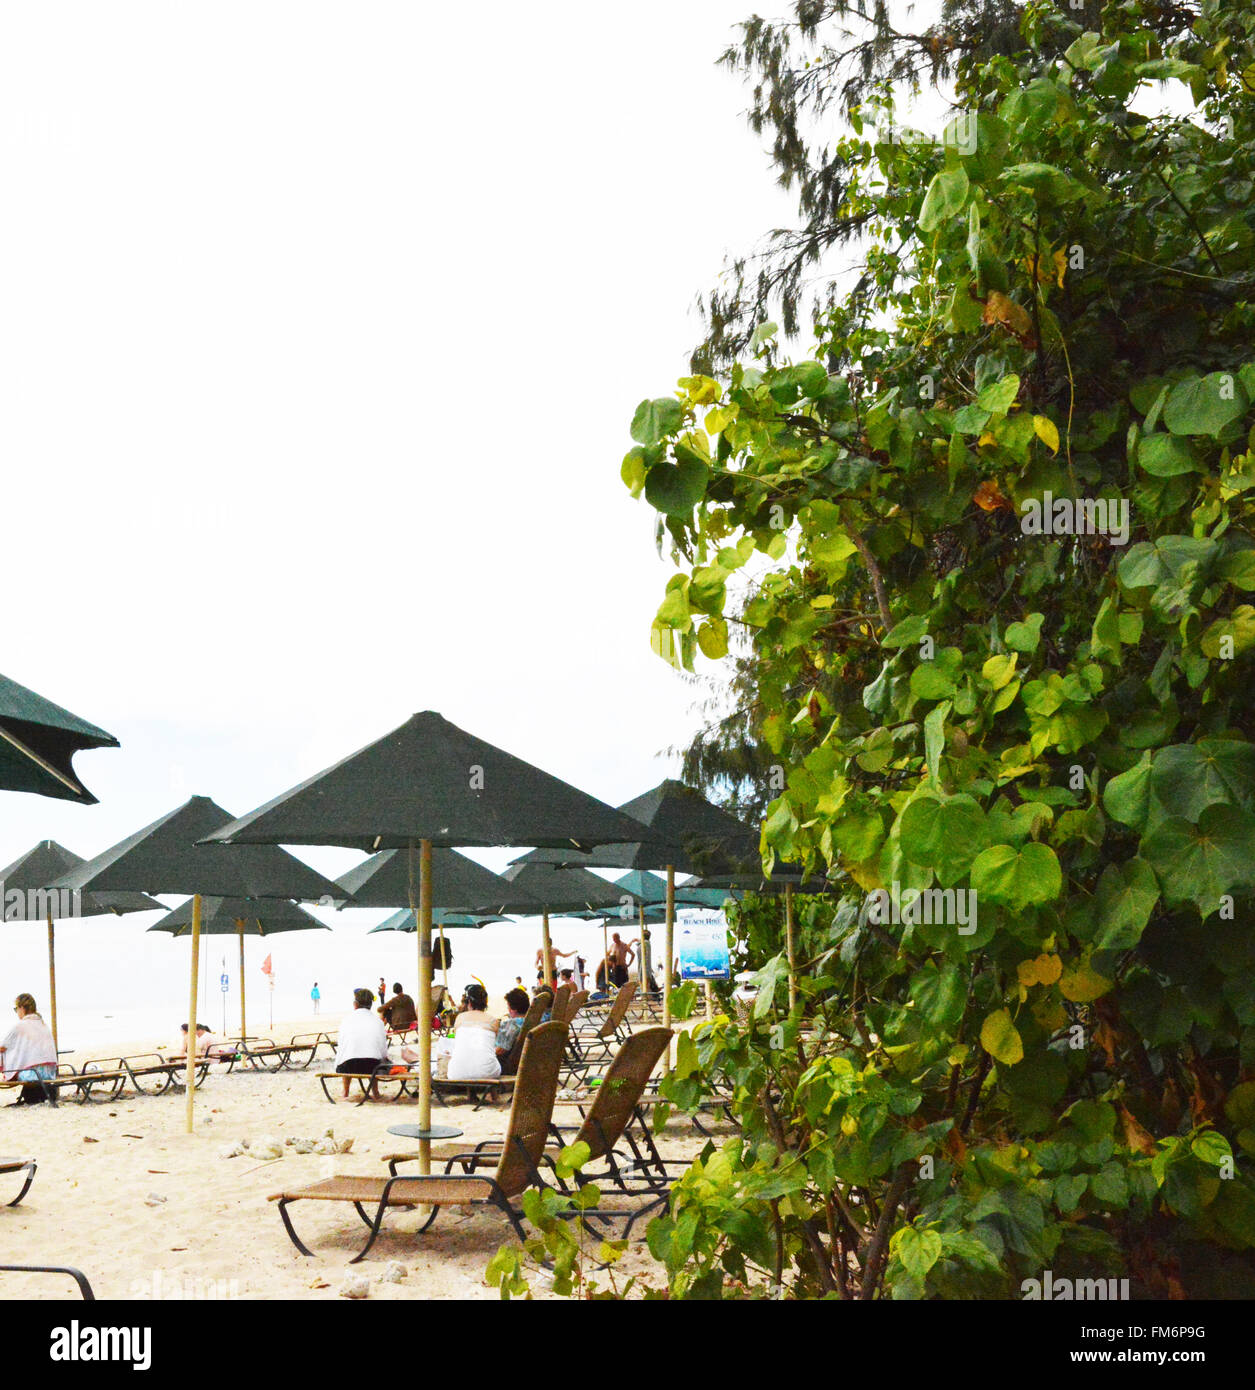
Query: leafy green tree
[[1018, 722]]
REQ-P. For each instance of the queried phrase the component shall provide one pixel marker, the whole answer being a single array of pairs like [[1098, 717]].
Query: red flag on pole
[[266, 967]]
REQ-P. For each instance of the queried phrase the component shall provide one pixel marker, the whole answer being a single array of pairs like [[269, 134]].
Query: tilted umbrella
[[562, 891], [239, 917], [383, 880], [407, 921], [429, 784], [28, 898], [38, 740], [685, 832], [165, 857]]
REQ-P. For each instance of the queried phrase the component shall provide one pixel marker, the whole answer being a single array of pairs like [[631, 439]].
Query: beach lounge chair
[[159, 1075], [76, 1274], [610, 1114], [391, 1086], [19, 1165], [516, 1170], [593, 1042], [557, 1010]]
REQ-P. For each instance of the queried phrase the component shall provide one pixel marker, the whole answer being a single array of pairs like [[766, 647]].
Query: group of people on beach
[[479, 1049]]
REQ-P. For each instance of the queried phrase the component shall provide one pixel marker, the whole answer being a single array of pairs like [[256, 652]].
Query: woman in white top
[[363, 1041], [28, 1053], [475, 1040]]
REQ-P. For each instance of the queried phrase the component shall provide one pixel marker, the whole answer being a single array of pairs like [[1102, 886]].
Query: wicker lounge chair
[[517, 1166], [611, 1112], [593, 1042]]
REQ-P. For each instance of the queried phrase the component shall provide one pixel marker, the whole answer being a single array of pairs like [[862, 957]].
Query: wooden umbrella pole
[[424, 1001], [239, 928], [52, 979], [788, 940], [546, 947], [190, 1080], [710, 1007], [666, 965]]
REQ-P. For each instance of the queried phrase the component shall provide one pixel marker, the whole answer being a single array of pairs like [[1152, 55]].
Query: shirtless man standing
[[622, 955]]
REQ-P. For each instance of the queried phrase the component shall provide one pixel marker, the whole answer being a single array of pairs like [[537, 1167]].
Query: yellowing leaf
[[999, 1037], [1046, 431], [1044, 970], [998, 670], [1081, 984], [1061, 264], [986, 438]]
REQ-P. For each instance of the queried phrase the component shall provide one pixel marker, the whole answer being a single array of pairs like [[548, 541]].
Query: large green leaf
[[1205, 405], [942, 834], [676, 488], [1017, 878], [1149, 563], [654, 420], [1201, 863], [1189, 777], [1165, 455], [1127, 797], [1127, 894], [945, 197]]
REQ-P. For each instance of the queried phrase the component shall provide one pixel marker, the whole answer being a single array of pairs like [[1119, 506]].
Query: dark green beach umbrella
[[429, 784], [459, 884], [239, 917], [442, 919], [407, 921], [27, 897], [165, 857], [685, 832], [38, 740]]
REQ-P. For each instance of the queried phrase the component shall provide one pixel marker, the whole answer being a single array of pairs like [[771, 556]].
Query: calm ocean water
[[117, 982]]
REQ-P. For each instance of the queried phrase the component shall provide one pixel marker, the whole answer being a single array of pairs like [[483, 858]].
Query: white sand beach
[[146, 1210]]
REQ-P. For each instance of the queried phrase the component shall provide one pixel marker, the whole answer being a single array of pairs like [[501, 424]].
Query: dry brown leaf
[[1012, 316], [988, 497], [1138, 1139]]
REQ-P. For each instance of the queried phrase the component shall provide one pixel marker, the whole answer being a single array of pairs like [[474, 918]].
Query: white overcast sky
[[320, 333]]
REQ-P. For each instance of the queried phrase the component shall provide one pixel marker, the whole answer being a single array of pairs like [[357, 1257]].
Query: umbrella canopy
[[560, 890], [407, 921], [38, 740], [29, 898], [459, 884], [429, 780], [427, 785], [239, 917], [649, 889], [686, 832], [164, 857], [230, 916]]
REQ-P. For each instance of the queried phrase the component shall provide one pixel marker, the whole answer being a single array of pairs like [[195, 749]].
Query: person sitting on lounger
[[207, 1044], [474, 1055], [399, 1012], [28, 1053], [363, 1042], [509, 1028]]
